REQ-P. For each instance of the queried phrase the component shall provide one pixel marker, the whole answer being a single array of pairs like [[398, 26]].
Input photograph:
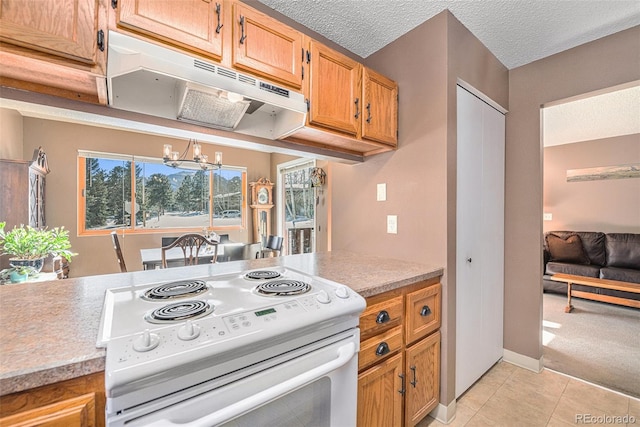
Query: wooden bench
[[593, 282]]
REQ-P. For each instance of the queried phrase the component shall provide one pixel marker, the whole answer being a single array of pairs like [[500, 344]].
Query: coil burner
[[179, 311], [262, 275], [279, 288], [174, 290]]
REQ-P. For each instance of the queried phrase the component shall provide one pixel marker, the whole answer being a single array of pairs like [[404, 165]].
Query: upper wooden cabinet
[[266, 47], [334, 90], [195, 25], [66, 29], [54, 47], [380, 102]]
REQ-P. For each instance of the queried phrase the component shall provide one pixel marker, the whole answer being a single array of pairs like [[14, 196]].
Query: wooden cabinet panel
[[380, 115], [423, 312], [335, 90], [423, 378], [379, 397], [196, 25], [79, 411], [75, 402], [264, 46], [380, 347], [63, 28], [379, 317]]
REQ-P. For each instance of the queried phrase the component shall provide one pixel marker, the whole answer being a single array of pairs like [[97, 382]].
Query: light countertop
[[48, 329]]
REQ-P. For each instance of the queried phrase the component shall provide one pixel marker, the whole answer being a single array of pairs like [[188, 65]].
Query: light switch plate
[[381, 195], [392, 224]]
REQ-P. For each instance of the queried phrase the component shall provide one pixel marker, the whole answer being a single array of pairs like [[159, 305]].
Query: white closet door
[[480, 239]]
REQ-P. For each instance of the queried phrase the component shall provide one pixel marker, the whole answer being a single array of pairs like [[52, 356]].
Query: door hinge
[[302, 72], [308, 57], [114, 4], [101, 40], [306, 101]]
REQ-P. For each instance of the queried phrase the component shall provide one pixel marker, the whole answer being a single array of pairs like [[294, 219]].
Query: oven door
[[314, 386]]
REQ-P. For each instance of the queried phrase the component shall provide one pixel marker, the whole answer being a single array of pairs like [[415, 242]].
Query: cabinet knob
[[425, 311], [383, 348], [383, 317]]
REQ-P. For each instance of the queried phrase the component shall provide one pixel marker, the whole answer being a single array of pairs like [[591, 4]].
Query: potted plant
[[17, 274], [30, 246]]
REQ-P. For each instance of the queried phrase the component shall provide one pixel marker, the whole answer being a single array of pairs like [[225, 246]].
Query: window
[[163, 198]]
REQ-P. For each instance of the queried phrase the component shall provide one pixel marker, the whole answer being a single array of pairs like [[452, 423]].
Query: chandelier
[[199, 162]]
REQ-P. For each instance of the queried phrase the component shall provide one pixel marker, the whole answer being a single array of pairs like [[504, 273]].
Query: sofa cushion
[[592, 243], [567, 249], [623, 250], [575, 269], [621, 274]]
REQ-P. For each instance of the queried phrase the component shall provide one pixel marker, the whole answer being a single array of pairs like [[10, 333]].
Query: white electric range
[[237, 348]]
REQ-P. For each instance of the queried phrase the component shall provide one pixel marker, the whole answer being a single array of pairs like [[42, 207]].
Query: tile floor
[[511, 396]]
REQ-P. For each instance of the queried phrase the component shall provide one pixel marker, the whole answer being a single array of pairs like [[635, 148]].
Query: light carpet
[[596, 342]]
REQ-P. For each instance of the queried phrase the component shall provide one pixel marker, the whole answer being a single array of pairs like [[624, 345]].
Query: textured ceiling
[[515, 31]]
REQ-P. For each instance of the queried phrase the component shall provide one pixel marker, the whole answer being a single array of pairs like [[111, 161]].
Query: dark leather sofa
[[614, 256]]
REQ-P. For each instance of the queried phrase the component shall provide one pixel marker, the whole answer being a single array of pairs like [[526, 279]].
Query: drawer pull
[[383, 317], [382, 349], [415, 380], [402, 389], [425, 311]]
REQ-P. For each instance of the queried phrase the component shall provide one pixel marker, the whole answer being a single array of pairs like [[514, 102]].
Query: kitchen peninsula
[[49, 329]]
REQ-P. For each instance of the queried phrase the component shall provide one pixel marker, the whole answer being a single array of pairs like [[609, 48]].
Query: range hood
[[151, 79]]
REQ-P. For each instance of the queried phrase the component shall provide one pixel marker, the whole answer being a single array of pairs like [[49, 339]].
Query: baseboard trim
[[526, 362], [444, 414]]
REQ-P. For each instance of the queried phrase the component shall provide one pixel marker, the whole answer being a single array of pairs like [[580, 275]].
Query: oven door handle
[[345, 354]]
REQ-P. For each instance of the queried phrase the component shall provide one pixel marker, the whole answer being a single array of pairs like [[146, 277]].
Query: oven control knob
[[146, 341], [188, 331], [323, 297], [342, 292]]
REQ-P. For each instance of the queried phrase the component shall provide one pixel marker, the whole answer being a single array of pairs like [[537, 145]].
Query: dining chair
[[191, 245], [272, 247], [116, 247]]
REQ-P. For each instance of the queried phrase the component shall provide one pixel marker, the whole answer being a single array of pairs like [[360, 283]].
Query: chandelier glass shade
[[199, 161]]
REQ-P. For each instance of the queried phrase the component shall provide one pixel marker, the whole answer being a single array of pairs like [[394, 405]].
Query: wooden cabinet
[[266, 47], [399, 359], [380, 108], [194, 25], [351, 107], [334, 91], [76, 402], [54, 47]]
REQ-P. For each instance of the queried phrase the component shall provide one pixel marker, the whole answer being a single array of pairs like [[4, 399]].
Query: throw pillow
[[568, 249]]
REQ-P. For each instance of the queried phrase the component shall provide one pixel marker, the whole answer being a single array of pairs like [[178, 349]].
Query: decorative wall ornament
[[604, 172], [318, 177]]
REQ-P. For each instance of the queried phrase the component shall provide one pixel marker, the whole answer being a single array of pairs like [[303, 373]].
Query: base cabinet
[[399, 360], [78, 402]]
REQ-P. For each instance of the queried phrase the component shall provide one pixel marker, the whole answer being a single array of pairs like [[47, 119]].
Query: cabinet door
[[193, 24], [266, 47], [380, 102], [66, 29], [335, 91], [380, 394], [423, 378]]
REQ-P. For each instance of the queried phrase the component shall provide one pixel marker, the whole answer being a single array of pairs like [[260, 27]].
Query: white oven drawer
[[307, 387]]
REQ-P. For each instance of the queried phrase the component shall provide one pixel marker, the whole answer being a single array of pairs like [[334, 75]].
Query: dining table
[[152, 257]]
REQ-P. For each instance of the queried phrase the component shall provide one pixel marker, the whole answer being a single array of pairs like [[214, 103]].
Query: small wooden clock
[[261, 203]]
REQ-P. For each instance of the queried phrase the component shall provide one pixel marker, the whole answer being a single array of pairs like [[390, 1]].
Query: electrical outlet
[[547, 216], [381, 196], [392, 224]]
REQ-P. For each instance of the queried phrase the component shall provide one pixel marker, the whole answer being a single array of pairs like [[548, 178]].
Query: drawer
[[381, 317], [423, 312], [380, 347]]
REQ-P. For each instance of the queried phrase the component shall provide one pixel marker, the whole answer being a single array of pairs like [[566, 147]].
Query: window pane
[[171, 198], [227, 197], [108, 194], [299, 207]]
